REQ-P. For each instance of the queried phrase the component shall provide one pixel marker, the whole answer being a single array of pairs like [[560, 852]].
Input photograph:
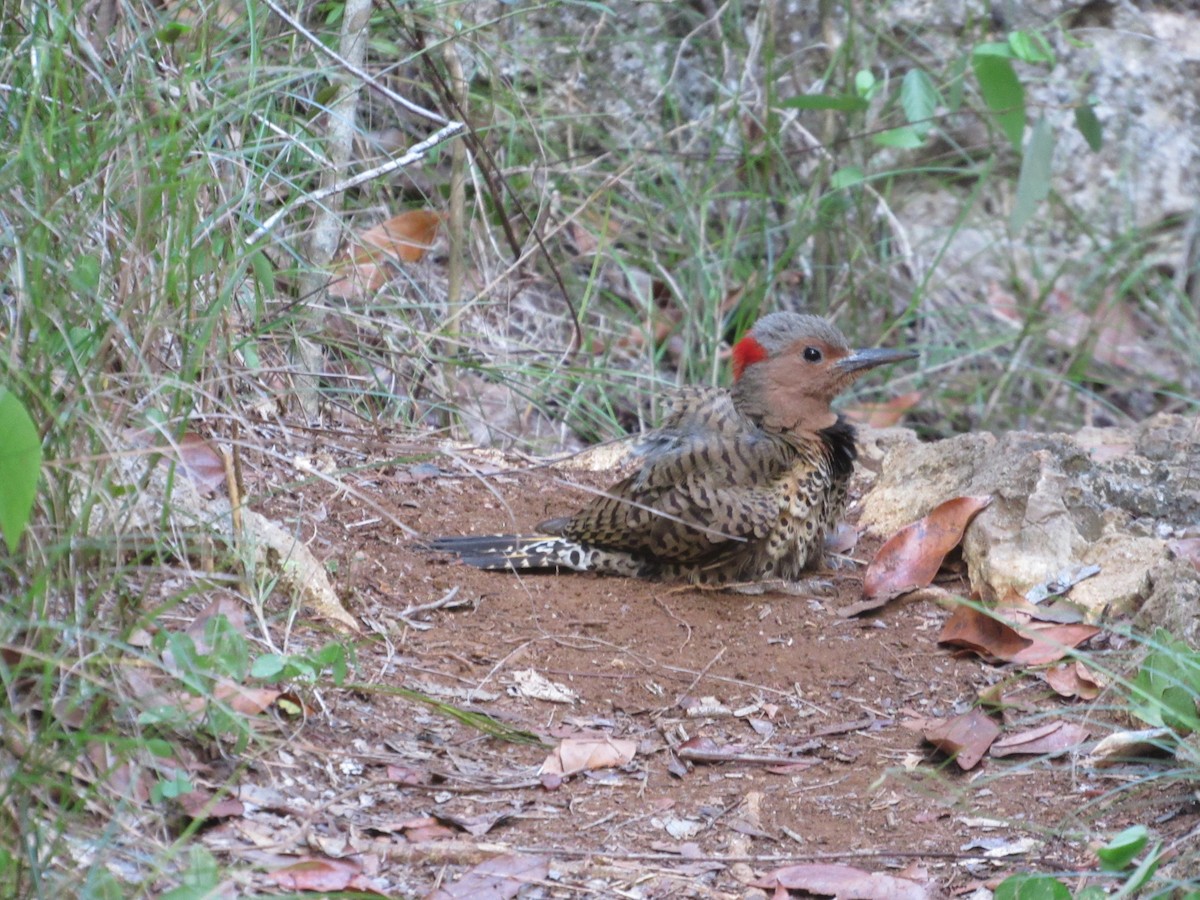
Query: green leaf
[[1031, 47], [843, 102], [268, 666], [920, 99], [1003, 94], [1089, 126], [1033, 184], [1031, 887], [958, 72], [20, 466], [1142, 874], [904, 138], [1123, 848], [846, 177], [865, 84], [997, 48]]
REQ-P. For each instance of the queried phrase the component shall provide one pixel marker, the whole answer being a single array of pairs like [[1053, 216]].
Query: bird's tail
[[536, 552]]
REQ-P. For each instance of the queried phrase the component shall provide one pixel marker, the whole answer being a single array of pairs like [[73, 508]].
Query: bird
[[736, 485]]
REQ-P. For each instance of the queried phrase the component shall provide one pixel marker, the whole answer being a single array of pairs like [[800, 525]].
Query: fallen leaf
[[405, 237], [1029, 643], [477, 825], [965, 737], [987, 635], [583, 754], [201, 805], [843, 882], [1073, 680], [498, 878], [1051, 642], [1053, 737], [912, 556], [321, 875], [528, 683]]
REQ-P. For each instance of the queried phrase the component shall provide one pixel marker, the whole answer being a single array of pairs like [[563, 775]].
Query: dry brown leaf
[[583, 754], [1051, 642], [986, 634], [1073, 680], [1053, 737], [965, 737], [321, 875], [405, 237], [498, 878], [842, 881], [199, 804], [912, 556], [1029, 643]]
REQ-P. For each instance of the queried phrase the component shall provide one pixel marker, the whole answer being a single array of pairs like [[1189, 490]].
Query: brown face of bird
[[792, 387]]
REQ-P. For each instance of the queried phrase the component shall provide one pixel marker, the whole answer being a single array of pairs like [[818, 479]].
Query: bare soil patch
[[810, 703]]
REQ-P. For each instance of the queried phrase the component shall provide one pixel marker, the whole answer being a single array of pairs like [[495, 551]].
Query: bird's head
[[789, 367]]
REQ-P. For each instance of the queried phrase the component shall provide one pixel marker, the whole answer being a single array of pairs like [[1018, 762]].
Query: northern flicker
[[736, 485]]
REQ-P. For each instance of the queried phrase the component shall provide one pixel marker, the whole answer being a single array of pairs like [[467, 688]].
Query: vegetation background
[[521, 224]]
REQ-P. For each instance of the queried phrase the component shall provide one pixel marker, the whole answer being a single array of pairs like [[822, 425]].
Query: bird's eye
[[812, 354]]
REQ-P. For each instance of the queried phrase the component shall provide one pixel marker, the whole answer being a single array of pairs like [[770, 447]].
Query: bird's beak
[[858, 360]]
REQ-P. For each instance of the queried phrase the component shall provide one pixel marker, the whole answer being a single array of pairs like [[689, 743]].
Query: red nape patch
[[746, 352]]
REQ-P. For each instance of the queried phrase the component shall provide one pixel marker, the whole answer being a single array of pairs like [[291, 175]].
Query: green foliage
[[306, 668], [1032, 887], [20, 467], [1116, 856], [1166, 689]]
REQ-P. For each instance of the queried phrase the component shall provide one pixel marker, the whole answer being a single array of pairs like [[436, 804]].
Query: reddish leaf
[[987, 635], [497, 879], [842, 881], [912, 556], [406, 237], [1073, 680], [200, 805], [965, 737], [1050, 642], [477, 825], [321, 875], [1053, 737], [1030, 643], [249, 701], [203, 462]]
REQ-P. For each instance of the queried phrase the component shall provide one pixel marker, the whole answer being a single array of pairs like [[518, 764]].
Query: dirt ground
[[808, 703]]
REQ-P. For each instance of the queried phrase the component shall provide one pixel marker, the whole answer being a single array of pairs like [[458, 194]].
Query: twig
[[695, 681], [415, 153], [357, 71], [447, 602]]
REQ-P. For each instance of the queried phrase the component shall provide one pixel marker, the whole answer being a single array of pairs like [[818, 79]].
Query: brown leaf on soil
[[477, 825], [1073, 680], [249, 701], [581, 754], [965, 737], [199, 804], [323, 875], [912, 556], [987, 635], [1054, 737], [406, 237], [1030, 643], [841, 881], [1051, 642], [498, 878], [883, 415]]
